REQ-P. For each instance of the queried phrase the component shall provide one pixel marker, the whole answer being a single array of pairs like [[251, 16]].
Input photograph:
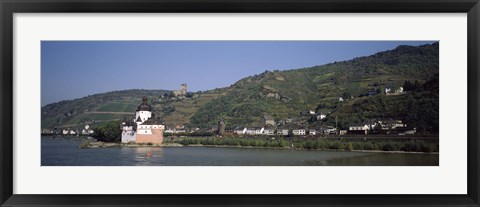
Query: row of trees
[[409, 86], [323, 144]]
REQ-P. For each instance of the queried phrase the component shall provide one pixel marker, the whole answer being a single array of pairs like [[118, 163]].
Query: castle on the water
[[144, 129]]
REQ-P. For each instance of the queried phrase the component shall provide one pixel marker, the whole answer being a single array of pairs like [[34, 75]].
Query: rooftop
[[144, 106], [153, 121]]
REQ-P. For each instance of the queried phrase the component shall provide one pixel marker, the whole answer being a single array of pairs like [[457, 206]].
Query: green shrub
[[368, 146], [85, 144], [411, 146], [349, 146], [335, 145]]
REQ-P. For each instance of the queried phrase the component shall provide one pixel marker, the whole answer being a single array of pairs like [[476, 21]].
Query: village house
[[387, 90], [390, 124], [240, 130], [250, 131], [358, 128], [398, 91], [175, 130], [299, 132], [229, 130], [321, 116], [259, 131], [412, 131], [283, 132], [329, 130], [312, 132], [268, 120], [383, 125], [86, 130], [398, 123], [269, 131], [46, 131]]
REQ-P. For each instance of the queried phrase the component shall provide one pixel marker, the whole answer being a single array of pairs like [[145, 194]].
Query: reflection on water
[[65, 152], [144, 156]]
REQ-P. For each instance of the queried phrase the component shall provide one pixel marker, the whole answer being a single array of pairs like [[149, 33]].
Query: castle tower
[[221, 127], [184, 89], [144, 111]]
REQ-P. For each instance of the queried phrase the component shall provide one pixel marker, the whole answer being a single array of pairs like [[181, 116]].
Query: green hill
[[286, 94], [121, 105], [89, 109]]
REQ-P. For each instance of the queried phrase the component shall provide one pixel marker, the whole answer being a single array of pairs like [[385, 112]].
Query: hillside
[[120, 105], [286, 94]]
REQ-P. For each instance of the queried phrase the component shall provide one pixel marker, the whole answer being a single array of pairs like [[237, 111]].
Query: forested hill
[[287, 94], [79, 111]]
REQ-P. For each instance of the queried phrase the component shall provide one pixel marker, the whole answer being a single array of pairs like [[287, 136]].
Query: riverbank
[[98, 144], [411, 146], [406, 145], [290, 148]]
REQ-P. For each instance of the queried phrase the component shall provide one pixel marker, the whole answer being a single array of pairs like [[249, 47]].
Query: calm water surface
[[65, 152]]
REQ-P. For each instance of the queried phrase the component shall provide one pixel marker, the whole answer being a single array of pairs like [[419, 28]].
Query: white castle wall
[[144, 115], [129, 136]]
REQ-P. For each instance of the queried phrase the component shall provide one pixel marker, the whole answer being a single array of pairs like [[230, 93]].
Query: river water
[[65, 152]]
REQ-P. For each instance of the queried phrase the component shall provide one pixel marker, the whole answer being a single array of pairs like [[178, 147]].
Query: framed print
[[239, 103]]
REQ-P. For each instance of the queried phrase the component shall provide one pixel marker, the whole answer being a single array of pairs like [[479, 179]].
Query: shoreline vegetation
[[394, 145]]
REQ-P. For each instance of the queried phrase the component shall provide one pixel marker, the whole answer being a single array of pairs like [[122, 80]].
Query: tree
[[408, 86], [417, 85], [108, 132], [189, 95]]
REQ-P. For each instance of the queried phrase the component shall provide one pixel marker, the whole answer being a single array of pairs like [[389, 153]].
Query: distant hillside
[[286, 94], [121, 105], [78, 111]]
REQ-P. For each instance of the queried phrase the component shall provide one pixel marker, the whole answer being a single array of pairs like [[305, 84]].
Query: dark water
[[65, 152]]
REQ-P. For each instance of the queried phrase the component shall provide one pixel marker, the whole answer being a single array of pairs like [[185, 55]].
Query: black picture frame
[[9, 7]]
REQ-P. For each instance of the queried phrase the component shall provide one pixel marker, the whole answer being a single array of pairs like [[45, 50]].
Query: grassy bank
[[319, 144]]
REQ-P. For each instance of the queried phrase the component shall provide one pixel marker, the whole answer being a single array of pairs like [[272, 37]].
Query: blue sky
[[74, 69]]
